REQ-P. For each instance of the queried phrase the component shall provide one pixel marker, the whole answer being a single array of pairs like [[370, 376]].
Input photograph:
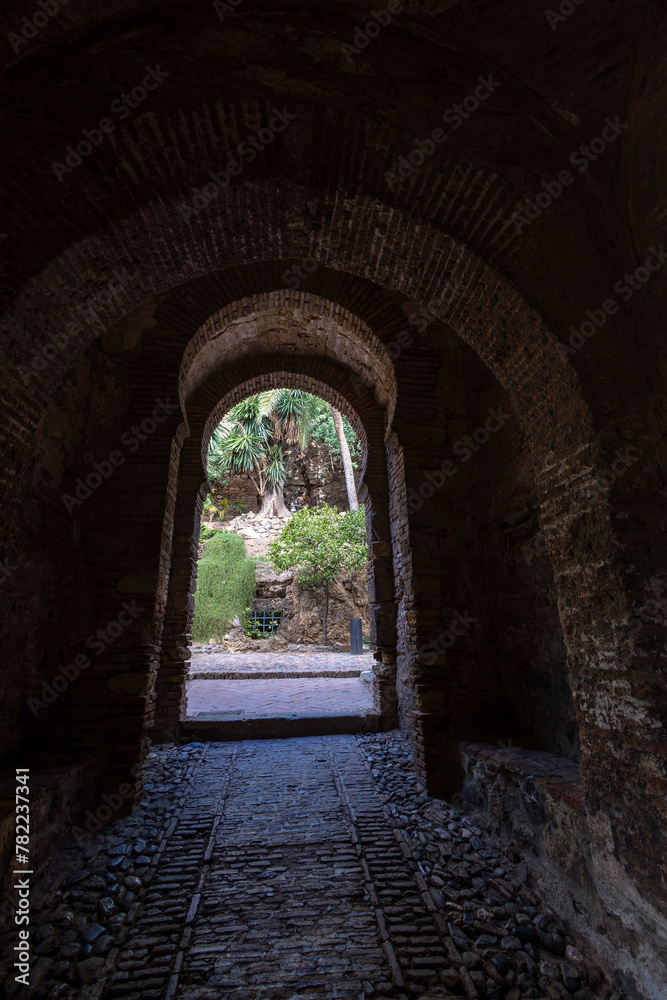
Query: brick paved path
[[292, 869], [280, 697], [282, 877], [297, 664]]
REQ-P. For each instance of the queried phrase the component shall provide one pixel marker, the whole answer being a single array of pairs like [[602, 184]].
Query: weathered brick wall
[[443, 239], [510, 569], [241, 489]]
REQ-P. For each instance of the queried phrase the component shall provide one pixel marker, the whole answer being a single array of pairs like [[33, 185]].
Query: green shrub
[[225, 586]]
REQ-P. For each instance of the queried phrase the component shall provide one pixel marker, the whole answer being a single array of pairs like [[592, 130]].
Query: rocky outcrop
[[304, 610], [271, 587], [257, 532]]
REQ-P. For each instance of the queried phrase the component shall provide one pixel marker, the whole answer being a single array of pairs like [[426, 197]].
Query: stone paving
[[298, 663], [298, 869], [293, 697]]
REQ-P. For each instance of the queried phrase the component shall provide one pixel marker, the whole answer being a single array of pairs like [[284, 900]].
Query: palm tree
[[347, 459], [260, 436]]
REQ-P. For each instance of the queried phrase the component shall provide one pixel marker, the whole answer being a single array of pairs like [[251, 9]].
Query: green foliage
[[214, 512], [321, 543], [259, 433], [225, 586], [323, 430], [255, 434]]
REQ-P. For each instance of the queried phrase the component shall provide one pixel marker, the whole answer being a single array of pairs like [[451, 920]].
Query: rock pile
[[257, 532], [504, 941]]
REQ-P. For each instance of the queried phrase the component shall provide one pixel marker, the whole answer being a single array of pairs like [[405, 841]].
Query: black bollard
[[356, 640]]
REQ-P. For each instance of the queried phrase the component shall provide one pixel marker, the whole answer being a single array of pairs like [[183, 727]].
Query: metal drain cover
[[220, 716]]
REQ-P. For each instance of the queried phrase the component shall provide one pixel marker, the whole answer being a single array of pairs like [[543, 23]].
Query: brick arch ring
[[331, 381], [432, 269], [292, 323]]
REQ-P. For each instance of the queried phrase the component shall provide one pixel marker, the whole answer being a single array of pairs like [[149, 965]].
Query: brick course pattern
[[279, 696]]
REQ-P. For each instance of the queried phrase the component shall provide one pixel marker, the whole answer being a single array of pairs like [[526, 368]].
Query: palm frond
[[309, 416], [266, 402], [276, 468]]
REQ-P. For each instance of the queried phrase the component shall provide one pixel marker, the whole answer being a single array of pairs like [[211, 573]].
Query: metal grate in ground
[[221, 716]]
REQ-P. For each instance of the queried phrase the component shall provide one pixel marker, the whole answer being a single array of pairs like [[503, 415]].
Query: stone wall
[[531, 804], [313, 479]]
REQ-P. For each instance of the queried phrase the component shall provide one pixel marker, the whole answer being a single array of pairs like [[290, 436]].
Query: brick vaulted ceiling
[[353, 119]]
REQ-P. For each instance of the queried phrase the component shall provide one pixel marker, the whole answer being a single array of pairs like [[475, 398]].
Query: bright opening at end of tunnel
[[280, 631]]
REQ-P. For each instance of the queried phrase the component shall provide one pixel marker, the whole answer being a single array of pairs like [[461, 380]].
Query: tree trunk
[[303, 466], [347, 461], [274, 502], [326, 611]]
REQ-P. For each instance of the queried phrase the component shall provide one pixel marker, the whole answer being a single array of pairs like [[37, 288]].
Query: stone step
[[280, 727], [252, 675]]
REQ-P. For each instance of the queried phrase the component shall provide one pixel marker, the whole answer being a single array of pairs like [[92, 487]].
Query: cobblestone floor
[[262, 698], [291, 664], [289, 870]]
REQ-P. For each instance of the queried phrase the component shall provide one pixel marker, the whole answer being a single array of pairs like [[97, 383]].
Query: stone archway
[[489, 314], [205, 405]]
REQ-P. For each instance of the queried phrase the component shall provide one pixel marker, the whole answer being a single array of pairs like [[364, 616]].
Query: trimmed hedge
[[225, 586]]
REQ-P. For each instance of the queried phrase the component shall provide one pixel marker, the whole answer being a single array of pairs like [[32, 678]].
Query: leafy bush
[[321, 543], [225, 586]]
